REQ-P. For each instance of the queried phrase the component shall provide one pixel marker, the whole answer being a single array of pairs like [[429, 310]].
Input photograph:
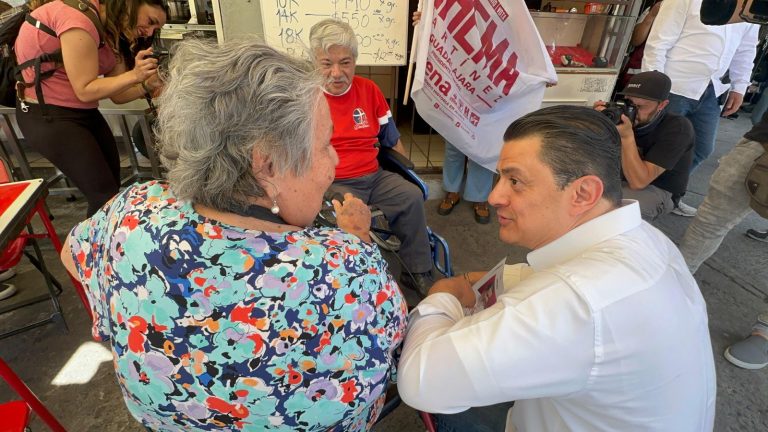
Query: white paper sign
[[480, 65]]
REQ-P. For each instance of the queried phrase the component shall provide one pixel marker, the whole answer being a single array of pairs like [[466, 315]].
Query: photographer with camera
[[57, 110], [656, 146]]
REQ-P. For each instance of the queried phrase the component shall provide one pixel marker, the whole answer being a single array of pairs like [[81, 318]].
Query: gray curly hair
[[329, 32], [223, 102]]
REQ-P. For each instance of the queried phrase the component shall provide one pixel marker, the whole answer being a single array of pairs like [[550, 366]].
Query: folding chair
[[15, 414], [12, 252], [380, 232], [391, 160]]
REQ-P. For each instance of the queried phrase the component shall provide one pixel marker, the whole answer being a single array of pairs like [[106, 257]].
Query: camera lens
[[613, 113]]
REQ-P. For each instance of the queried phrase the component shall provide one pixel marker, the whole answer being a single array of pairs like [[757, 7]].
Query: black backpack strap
[[39, 77], [36, 64], [39, 25], [90, 10]]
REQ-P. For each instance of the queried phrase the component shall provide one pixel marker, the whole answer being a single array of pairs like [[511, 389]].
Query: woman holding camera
[[62, 121]]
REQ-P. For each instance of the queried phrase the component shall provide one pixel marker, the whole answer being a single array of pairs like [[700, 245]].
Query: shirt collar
[[590, 233]]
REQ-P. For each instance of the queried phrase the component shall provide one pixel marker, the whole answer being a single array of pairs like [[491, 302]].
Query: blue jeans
[[704, 115], [760, 108], [726, 204], [479, 180], [492, 418]]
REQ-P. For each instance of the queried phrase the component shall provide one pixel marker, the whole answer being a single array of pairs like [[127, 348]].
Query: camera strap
[[152, 108]]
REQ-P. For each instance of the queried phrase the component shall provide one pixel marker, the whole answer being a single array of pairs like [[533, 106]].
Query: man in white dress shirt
[[696, 57], [607, 330]]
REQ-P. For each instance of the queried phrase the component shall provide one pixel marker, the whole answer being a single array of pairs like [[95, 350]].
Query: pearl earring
[[275, 209]]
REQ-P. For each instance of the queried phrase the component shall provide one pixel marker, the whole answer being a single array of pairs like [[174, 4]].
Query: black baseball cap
[[652, 85]]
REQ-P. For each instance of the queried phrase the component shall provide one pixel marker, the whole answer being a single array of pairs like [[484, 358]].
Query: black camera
[[614, 110], [159, 54]]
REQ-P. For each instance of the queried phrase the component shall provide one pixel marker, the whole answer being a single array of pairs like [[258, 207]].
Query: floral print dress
[[215, 327]]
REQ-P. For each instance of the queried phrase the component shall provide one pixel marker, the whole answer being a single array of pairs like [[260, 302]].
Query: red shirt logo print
[[360, 119]]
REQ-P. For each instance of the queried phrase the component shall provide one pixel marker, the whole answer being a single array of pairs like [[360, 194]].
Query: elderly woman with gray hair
[[223, 307]]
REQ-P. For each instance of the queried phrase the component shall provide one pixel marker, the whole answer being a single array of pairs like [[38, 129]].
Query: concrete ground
[[73, 375]]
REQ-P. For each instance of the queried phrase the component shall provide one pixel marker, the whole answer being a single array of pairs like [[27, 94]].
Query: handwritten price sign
[[381, 26]]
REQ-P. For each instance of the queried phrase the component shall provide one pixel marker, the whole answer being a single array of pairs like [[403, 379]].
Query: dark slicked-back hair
[[575, 141]]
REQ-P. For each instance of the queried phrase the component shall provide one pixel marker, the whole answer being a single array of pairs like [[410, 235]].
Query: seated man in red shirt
[[361, 118]]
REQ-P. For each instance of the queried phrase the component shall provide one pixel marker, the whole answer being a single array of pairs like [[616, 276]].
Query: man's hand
[[625, 129], [654, 10], [353, 216], [599, 105], [415, 18], [458, 287], [400, 148], [733, 103]]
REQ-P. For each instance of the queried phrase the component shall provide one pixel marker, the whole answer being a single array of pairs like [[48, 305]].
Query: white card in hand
[[489, 287]]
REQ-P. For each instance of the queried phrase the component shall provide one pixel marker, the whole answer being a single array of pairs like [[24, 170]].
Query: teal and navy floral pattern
[[215, 327]]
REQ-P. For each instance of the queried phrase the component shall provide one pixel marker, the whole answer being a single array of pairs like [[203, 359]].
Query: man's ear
[[663, 104], [587, 191]]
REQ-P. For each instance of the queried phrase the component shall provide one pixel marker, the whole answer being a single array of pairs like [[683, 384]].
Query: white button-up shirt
[[693, 54], [607, 331]]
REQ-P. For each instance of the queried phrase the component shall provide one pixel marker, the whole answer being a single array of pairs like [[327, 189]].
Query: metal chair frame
[[37, 260], [13, 151], [391, 160], [29, 399]]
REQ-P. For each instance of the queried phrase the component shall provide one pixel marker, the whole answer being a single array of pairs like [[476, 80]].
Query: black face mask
[[647, 128]]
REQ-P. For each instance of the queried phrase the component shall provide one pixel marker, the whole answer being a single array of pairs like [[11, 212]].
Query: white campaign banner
[[480, 64]]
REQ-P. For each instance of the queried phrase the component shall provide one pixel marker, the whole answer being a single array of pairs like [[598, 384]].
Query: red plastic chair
[[15, 414], [10, 256]]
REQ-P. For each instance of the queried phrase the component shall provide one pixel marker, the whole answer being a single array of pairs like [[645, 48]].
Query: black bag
[[10, 23], [757, 184]]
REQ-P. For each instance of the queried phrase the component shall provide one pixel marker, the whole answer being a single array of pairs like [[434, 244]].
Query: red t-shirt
[[357, 116], [32, 42]]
